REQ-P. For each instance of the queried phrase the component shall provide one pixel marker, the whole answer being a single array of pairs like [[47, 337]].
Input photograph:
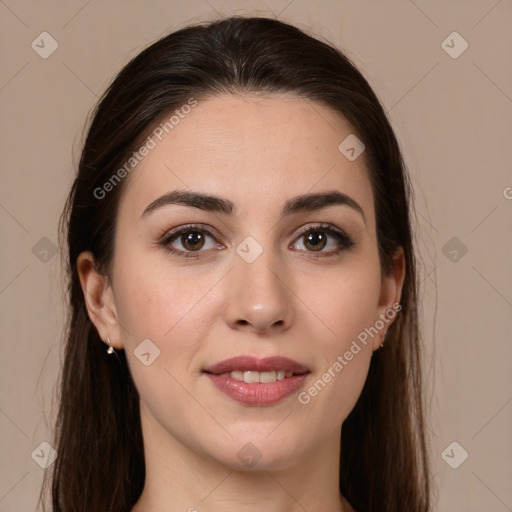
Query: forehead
[[258, 150]]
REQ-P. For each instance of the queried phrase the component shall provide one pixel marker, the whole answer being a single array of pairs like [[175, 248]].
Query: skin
[[258, 152]]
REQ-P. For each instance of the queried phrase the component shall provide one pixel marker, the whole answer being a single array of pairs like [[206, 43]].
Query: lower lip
[[258, 394]]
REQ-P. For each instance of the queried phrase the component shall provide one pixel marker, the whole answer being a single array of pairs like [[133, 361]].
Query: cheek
[[154, 304], [152, 301], [342, 343], [344, 302], [151, 305], [172, 309]]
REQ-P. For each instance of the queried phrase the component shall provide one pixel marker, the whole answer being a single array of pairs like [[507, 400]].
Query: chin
[[258, 453]]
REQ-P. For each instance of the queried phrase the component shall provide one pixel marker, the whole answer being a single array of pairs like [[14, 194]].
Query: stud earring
[[382, 338], [110, 349]]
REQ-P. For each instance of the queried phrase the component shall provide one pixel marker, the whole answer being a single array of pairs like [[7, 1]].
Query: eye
[[322, 239], [187, 240]]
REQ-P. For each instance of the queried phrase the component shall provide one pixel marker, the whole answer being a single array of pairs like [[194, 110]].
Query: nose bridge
[[257, 298]]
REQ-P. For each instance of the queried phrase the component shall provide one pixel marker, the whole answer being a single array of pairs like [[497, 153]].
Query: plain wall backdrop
[[443, 71]]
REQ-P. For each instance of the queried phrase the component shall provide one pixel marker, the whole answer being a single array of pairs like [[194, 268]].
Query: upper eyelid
[[322, 225], [175, 232]]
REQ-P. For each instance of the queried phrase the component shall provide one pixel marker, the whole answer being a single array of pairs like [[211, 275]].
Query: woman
[[243, 331]]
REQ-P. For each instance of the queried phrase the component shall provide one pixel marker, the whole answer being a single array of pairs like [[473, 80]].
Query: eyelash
[[342, 238]]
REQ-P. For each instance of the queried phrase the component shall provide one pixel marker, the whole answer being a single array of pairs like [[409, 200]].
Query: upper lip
[[250, 363]]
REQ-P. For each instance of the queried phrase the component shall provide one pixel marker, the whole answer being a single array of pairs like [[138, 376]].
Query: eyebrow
[[303, 203]]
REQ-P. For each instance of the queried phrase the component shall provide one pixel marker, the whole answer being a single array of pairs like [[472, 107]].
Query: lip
[[257, 394], [254, 364], [260, 394]]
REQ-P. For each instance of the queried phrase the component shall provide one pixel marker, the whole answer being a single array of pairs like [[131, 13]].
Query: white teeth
[[252, 377], [268, 376]]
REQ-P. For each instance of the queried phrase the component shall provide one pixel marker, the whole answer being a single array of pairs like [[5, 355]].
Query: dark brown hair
[[100, 465]]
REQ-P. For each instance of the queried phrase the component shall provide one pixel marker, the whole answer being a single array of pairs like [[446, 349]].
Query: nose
[[257, 297]]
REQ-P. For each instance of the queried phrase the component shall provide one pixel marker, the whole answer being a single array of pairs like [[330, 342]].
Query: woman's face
[[279, 260]]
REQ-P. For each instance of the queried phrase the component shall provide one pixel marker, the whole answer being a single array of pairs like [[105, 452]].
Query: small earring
[[382, 337], [110, 349]]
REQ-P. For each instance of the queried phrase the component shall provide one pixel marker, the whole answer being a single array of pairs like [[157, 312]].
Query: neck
[[181, 479]]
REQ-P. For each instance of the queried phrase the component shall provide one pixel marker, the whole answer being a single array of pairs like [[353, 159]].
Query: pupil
[[316, 241], [193, 240]]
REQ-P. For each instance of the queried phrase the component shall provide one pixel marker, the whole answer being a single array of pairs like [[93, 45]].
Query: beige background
[[452, 116]]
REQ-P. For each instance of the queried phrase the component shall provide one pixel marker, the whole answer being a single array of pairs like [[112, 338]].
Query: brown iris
[[193, 240], [315, 240]]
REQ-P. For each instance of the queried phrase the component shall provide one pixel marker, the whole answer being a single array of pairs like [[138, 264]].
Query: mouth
[[251, 369], [251, 377], [257, 382]]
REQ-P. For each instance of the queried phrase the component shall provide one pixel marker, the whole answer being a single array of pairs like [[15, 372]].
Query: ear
[[99, 299], [390, 293]]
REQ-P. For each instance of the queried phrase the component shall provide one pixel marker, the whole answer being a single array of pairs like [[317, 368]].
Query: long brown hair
[[100, 465]]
